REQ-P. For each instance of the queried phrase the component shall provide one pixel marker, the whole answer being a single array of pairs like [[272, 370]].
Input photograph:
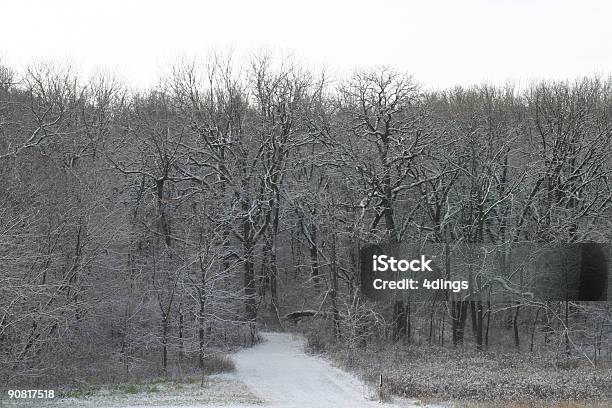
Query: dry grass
[[217, 363], [491, 378], [536, 404], [217, 390]]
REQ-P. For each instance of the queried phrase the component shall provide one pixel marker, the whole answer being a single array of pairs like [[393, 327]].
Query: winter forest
[[144, 231]]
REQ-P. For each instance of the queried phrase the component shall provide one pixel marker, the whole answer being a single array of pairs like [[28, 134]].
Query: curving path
[[279, 371]]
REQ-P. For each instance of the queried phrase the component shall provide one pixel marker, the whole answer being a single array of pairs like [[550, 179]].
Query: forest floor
[[479, 379], [277, 373], [221, 390]]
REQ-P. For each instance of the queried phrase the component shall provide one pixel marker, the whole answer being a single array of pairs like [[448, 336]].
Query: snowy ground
[[217, 391], [276, 373], [279, 372]]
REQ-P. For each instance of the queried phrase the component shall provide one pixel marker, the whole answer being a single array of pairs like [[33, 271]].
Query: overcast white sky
[[441, 42]]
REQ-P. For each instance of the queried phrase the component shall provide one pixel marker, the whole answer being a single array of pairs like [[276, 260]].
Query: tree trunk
[[334, 289], [273, 269], [400, 322], [488, 321], [567, 341], [249, 282], [180, 331], [165, 344], [533, 330], [314, 255], [201, 330], [515, 328], [477, 318], [459, 317]]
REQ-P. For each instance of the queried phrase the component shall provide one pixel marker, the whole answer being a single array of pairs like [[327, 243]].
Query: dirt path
[[278, 370]]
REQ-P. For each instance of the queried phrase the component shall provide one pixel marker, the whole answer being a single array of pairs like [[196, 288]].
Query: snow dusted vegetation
[[275, 373], [218, 390], [151, 240]]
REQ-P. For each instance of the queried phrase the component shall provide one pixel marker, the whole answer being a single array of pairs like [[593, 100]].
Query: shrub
[[315, 343], [217, 363]]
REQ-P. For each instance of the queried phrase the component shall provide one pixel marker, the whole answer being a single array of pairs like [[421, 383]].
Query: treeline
[[167, 222]]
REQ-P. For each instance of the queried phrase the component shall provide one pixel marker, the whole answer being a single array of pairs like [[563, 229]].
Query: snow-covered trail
[[279, 371]]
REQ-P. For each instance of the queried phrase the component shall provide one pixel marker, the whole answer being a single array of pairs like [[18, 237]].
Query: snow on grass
[[489, 377], [219, 390]]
